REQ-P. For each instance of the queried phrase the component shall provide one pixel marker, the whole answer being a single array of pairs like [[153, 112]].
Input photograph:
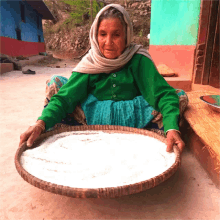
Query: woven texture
[[110, 192], [204, 121]]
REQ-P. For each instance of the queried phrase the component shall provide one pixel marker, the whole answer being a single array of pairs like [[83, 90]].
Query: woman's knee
[[58, 79]]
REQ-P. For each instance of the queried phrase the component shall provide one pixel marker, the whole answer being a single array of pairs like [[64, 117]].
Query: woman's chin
[[110, 55]]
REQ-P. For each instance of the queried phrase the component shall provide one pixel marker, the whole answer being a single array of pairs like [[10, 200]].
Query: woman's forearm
[[65, 100]]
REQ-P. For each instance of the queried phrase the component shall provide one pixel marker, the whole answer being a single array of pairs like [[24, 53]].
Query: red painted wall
[[13, 47], [178, 57]]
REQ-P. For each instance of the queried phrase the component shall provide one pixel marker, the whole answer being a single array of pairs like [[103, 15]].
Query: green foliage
[[68, 24], [49, 31], [96, 7], [82, 7], [141, 33]]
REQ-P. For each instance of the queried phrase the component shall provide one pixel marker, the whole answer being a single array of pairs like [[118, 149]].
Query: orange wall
[[178, 57], [13, 47], [173, 34]]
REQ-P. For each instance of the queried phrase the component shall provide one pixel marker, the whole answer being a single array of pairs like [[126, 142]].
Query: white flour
[[95, 159]]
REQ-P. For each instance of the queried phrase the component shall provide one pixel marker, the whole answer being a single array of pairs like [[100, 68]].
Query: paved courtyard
[[189, 194]]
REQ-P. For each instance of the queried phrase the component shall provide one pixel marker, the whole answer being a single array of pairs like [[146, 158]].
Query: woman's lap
[[133, 113], [140, 114]]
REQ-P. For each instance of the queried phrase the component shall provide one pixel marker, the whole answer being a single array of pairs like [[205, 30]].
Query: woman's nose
[[109, 40]]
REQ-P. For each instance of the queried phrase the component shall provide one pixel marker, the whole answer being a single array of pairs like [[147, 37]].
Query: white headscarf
[[94, 62]]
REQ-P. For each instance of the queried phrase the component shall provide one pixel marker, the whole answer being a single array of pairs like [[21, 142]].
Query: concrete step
[[183, 83], [6, 67]]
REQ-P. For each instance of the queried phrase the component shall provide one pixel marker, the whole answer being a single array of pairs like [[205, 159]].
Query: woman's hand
[[32, 133], [173, 137]]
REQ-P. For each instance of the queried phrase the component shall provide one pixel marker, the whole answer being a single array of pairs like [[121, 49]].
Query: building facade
[[184, 35], [173, 33], [21, 27]]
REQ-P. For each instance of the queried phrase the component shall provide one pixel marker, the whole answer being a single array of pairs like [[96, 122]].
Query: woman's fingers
[[30, 135], [24, 137], [34, 135], [170, 143], [180, 144], [173, 137]]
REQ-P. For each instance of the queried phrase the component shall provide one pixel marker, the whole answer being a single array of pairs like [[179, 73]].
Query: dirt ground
[[188, 194]]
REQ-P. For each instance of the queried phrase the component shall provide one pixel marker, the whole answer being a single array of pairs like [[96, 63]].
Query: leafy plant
[[141, 33], [83, 8]]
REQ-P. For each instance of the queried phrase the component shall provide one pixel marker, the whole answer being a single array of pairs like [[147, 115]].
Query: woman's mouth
[[109, 49]]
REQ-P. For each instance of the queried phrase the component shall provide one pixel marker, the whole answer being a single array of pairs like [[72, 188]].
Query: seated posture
[[116, 83]]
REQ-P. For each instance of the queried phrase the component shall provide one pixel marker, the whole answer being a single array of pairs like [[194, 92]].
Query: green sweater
[[138, 77]]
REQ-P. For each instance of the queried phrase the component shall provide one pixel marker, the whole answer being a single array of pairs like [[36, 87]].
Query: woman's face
[[111, 38]]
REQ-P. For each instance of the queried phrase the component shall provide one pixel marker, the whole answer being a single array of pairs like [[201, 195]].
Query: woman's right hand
[[32, 133]]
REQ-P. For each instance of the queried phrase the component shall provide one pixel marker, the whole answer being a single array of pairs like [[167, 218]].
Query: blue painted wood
[[11, 20]]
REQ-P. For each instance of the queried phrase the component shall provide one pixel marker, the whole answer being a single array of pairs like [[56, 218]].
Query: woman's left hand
[[173, 137]]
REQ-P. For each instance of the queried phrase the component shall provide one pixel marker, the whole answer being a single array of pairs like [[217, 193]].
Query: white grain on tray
[[96, 159]]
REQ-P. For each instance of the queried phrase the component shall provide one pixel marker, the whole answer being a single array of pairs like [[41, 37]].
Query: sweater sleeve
[[157, 92], [65, 101]]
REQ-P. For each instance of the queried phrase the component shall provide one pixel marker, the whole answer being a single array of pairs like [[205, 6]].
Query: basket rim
[[108, 192]]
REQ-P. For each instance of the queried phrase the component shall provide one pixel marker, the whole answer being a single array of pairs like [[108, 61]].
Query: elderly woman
[[116, 83]]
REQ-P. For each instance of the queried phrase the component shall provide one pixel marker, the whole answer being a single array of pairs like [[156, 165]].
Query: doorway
[[206, 60]]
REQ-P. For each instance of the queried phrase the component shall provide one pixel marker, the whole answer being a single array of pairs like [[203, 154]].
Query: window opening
[[22, 12], [39, 39], [18, 33], [38, 21]]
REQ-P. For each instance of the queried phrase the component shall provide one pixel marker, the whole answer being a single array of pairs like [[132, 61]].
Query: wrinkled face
[[111, 38]]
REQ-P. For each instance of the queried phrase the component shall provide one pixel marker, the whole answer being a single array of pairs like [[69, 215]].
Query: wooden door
[[214, 78], [206, 62]]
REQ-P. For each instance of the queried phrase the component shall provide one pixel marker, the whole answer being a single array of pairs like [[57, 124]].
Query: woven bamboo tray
[[204, 121], [108, 192]]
